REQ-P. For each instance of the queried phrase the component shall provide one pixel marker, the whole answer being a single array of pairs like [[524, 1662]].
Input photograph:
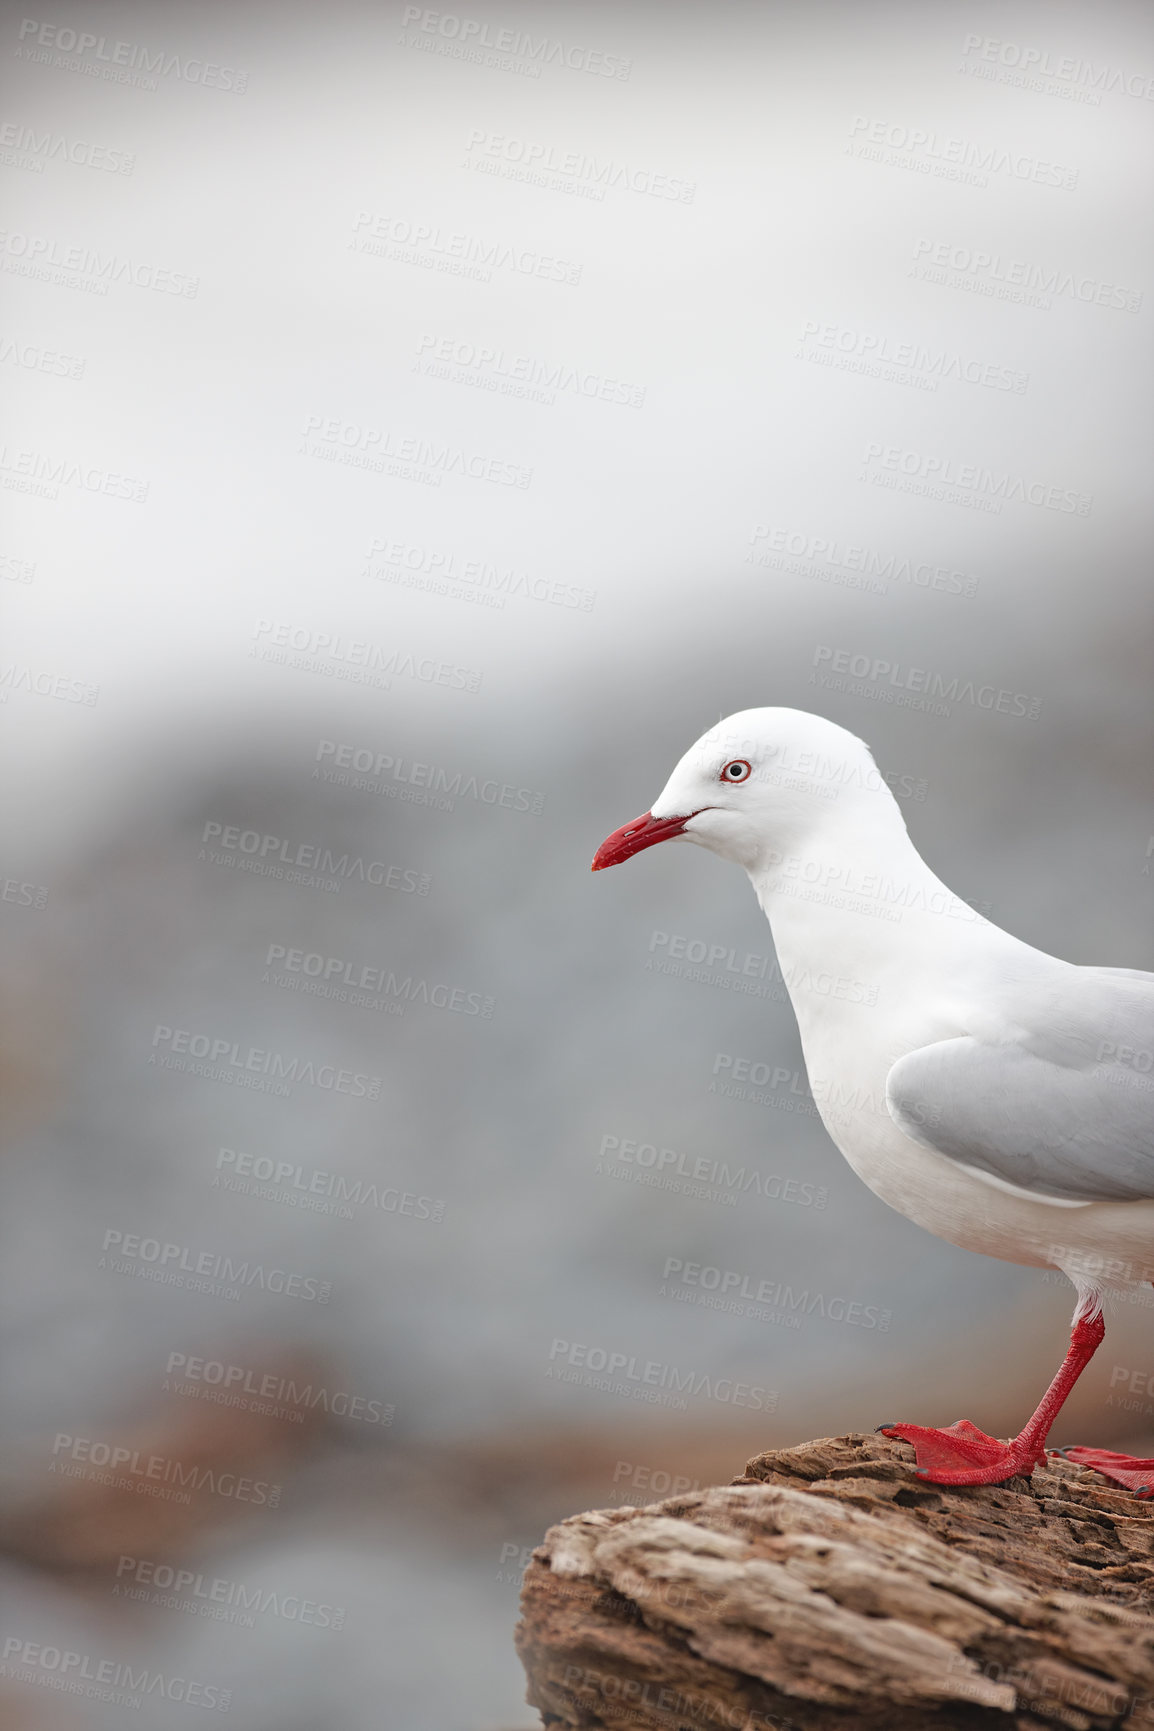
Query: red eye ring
[[738, 763]]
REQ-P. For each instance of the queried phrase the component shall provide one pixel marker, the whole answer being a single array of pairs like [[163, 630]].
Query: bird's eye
[[738, 770]]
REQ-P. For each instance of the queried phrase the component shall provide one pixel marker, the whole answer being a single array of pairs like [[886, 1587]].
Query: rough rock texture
[[829, 1587]]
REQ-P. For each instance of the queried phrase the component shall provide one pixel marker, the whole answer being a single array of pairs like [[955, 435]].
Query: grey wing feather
[[1064, 1107]]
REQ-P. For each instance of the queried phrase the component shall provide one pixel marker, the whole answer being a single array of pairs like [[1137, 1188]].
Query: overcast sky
[[323, 304]]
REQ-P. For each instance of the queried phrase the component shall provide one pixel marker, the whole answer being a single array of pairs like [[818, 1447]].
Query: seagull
[[999, 1097]]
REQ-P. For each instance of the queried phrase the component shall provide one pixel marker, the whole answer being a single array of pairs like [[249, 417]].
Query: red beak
[[643, 832]]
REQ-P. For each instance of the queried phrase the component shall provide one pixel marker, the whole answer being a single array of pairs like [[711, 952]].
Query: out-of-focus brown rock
[[196, 1465], [828, 1587]]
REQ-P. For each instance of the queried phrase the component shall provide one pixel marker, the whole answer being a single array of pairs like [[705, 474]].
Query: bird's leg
[[1130, 1471], [961, 1454]]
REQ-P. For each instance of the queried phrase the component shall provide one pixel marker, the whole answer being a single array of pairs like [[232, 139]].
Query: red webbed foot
[[1132, 1473], [961, 1454], [964, 1455]]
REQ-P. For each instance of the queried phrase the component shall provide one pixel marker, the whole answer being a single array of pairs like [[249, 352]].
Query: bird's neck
[[849, 896]]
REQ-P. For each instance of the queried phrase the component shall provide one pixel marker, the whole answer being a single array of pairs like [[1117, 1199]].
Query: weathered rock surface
[[828, 1587]]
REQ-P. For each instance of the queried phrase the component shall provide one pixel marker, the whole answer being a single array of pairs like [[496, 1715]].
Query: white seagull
[[997, 1096]]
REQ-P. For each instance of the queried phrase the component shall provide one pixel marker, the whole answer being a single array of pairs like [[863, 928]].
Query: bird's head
[[756, 783]]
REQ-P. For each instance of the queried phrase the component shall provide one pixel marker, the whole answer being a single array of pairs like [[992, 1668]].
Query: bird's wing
[[1062, 1107]]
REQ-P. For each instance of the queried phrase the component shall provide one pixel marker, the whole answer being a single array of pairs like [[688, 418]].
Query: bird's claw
[[961, 1454], [1129, 1472]]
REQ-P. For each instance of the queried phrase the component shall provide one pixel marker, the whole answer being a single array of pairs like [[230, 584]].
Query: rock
[[827, 1587], [191, 1466]]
